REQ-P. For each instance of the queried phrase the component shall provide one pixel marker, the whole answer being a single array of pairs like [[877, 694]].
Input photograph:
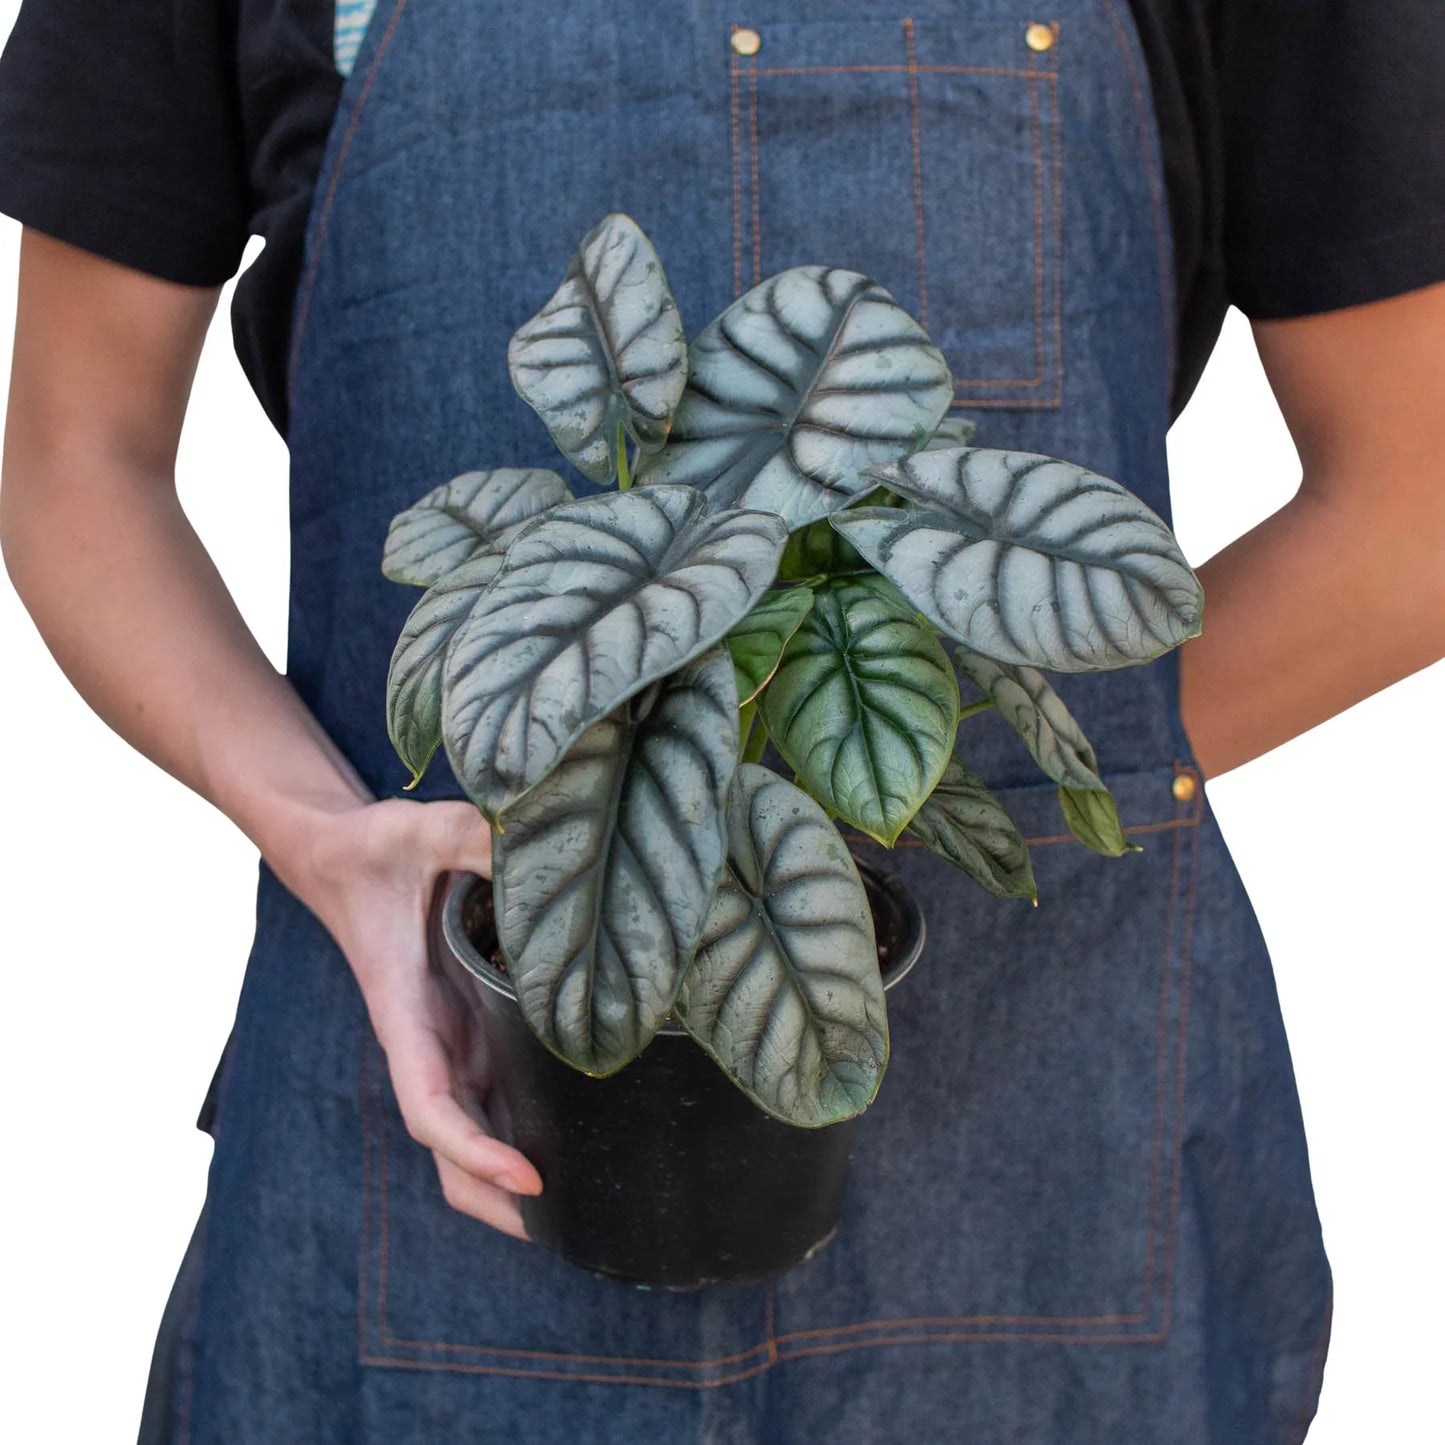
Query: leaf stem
[[982, 705], [757, 740], [624, 472]]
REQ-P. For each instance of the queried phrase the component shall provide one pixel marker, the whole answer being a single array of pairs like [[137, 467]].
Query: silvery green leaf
[[953, 431], [1093, 818], [1030, 706], [796, 388], [466, 515], [607, 354], [963, 821], [864, 706], [757, 641], [1031, 560], [605, 872], [785, 992], [414, 682], [594, 601]]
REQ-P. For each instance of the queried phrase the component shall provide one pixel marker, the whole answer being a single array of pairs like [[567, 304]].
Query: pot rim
[[459, 885]]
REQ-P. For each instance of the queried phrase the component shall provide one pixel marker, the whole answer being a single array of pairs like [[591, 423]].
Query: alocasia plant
[[798, 526]]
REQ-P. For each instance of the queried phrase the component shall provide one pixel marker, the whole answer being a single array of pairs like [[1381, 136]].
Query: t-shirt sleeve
[[1333, 117], [120, 132]]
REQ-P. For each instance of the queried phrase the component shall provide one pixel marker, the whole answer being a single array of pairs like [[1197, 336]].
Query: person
[[1080, 1211]]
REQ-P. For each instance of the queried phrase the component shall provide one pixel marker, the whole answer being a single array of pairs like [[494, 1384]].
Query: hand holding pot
[[372, 874]]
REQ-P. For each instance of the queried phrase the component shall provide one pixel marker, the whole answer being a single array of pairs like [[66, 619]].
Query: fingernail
[[518, 1185]]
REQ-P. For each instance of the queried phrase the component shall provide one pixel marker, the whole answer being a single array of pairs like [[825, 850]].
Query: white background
[[126, 914]]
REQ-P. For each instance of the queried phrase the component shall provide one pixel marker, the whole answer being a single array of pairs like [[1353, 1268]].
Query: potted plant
[[791, 526]]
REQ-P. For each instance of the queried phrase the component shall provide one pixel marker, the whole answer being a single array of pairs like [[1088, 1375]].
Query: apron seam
[[323, 216], [1316, 1377], [1143, 111]]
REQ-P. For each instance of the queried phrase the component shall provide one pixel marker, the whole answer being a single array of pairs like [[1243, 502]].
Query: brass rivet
[[747, 42], [1040, 36], [1183, 788]]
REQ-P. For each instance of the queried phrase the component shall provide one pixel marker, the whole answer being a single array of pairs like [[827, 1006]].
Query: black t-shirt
[[1304, 147]]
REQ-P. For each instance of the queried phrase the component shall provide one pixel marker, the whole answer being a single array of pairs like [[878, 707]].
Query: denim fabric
[[1080, 1212]]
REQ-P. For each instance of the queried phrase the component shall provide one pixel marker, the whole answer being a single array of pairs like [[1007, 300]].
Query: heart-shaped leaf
[[1093, 818], [757, 641], [605, 872], [1031, 560], [607, 354], [465, 516], [414, 682], [1030, 706], [864, 706], [963, 821], [594, 601], [785, 992], [796, 388]]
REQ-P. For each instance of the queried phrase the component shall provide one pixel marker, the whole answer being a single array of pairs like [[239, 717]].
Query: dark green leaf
[[963, 821], [864, 706], [757, 641], [1093, 819]]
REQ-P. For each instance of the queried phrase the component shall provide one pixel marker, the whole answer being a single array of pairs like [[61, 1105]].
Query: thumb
[[460, 838]]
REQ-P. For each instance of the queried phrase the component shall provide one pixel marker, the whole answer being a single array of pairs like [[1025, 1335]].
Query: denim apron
[[1080, 1211]]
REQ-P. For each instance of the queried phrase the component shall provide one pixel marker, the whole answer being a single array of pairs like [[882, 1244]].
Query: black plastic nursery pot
[[664, 1174]]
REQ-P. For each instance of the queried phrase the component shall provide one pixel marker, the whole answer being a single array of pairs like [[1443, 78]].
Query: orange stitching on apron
[[1056, 131], [1142, 114], [323, 219], [917, 171], [576, 1377], [753, 168], [1180, 1080], [774, 1347], [913, 70], [899, 70], [1036, 130], [737, 145]]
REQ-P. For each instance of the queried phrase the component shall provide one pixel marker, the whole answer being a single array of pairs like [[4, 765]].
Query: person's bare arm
[[1342, 591], [134, 611]]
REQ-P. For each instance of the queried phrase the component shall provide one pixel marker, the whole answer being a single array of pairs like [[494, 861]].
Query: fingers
[[435, 1119], [481, 1200], [461, 837]]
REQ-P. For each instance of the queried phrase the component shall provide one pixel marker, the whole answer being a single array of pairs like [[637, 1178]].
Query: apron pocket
[[1018, 1177], [922, 152]]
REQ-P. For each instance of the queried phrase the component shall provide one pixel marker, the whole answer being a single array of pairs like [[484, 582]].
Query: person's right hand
[[370, 877]]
